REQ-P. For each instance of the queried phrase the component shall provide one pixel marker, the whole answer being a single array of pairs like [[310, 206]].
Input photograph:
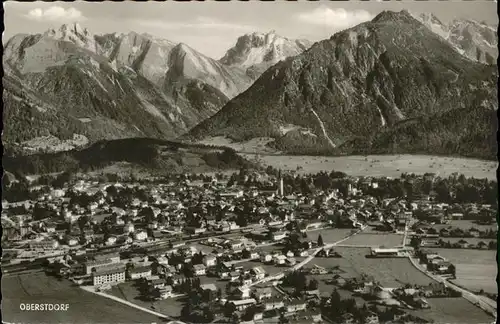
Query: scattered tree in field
[[313, 284], [320, 240]]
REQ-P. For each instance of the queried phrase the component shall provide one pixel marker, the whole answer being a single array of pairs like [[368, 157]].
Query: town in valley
[[258, 245], [250, 162]]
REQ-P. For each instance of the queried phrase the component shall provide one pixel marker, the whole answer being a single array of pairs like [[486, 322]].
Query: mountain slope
[[359, 83], [62, 84], [256, 52], [163, 62], [477, 41]]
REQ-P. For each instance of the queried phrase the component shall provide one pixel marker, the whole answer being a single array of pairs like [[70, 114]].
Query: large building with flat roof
[[109, 275]]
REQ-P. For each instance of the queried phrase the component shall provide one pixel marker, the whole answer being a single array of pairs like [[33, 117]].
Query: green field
[[84, 307], [453, 310], [390, 272], [329, 235], [128, 291], [375, 240], [476, 269], [382, 165]]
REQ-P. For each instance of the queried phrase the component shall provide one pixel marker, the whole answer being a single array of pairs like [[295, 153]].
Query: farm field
[[476, 269], [129, 292], [465, 225], [84, 307], [375, 240], [329, 235], [390, 272], [382, 165], [453, 310]]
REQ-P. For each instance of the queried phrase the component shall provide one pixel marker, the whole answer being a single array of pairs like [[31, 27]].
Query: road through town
[[123, 301], [483, 302]]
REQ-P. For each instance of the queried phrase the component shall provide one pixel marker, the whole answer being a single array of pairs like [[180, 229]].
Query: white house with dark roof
[[200, 270], [243, 304]]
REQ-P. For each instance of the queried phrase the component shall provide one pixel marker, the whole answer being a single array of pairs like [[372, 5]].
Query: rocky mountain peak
[[73, 33], [393, 16], [430, 18], [257, 51], [475, 40]]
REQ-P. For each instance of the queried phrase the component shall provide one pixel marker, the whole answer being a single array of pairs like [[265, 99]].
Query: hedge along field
[[475, 269], [465, 225], [375, 240]]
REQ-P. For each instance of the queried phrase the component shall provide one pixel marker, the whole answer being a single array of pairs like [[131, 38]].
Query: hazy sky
[[213, 27]]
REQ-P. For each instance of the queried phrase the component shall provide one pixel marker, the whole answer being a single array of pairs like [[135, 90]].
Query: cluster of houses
[[157, 219], [435, 262], [263, 304]]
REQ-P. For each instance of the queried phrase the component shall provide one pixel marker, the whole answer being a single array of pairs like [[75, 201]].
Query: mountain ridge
[[381, 73], [475, 40], [109, 86]]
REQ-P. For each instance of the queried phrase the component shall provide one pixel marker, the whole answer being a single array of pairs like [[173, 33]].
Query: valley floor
[[381, 165]]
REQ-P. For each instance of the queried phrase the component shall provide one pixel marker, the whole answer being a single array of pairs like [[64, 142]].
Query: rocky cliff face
[[359, 84], [256, 52], [477, 41]]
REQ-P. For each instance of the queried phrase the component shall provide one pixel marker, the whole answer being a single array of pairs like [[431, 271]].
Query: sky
[[213, 27]]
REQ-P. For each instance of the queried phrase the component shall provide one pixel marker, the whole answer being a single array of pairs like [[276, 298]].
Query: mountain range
[[68, 81], [367, 89], [477, 41], [388, 85]]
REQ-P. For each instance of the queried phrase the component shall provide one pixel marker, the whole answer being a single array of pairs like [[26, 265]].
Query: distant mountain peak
[[392, 16], [73, 33], [475, 40], [428, 16], [262, 49], [75, 28]]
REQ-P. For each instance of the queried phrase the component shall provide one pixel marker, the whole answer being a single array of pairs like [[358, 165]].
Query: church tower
[[281, 186]]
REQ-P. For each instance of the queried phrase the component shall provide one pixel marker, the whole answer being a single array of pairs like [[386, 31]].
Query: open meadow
[[390, 272], [129, 291], [376, 240], [476, 269], [453, 310], [84, 307], [382, 165], [330, 235]]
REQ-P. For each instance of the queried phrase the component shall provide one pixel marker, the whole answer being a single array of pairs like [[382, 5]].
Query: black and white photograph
[[250, 162]]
